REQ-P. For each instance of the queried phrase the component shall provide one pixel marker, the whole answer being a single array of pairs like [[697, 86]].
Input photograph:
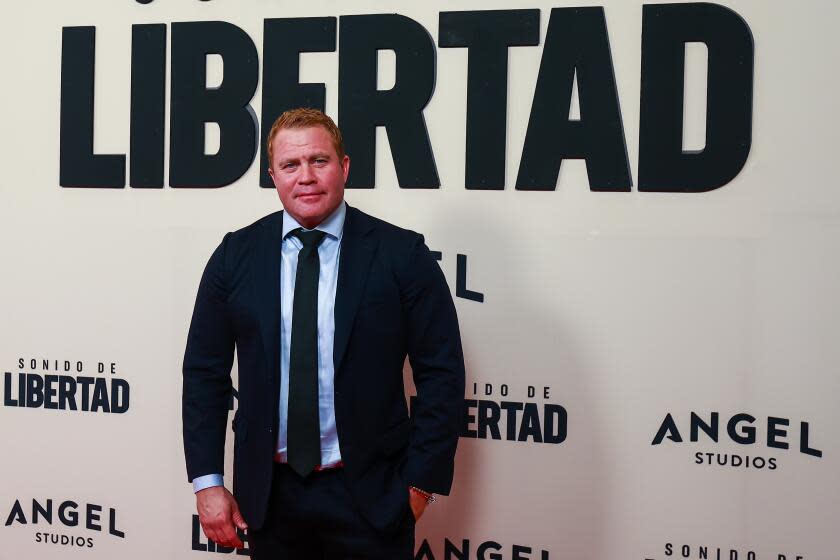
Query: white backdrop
[[628, 306]]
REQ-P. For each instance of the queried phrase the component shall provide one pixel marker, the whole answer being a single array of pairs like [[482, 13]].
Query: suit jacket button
[[270, 430]]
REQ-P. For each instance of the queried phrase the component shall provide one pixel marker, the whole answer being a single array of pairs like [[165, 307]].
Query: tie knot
[[311, 238]]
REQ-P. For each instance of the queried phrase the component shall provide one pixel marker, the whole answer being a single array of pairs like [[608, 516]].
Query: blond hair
[[305, 117]]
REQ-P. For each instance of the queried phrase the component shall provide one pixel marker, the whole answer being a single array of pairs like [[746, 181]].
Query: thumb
[[238, 520]]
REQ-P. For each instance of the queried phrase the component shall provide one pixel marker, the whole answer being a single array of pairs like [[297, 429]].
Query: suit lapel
[[267, 293], [357, 250]]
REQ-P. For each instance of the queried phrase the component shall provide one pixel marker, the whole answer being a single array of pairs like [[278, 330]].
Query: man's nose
[[306, 175]]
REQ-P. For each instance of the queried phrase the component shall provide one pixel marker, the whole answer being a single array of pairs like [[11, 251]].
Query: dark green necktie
[[303, 428]]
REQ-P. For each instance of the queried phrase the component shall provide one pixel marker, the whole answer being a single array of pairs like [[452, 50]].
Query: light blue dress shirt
[[328, 254]]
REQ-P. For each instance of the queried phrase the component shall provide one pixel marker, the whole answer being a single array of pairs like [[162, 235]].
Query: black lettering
[[50, 392], [100, 396], [361, 107], [710, 429], [67, 513], [488, 418], [461, 282], [484, 547], [196, 535], [16, 514], [530, 426], [803, 442], [245, 551], [148, 98], [663, 165], [669, 429], [92, 517], [487, 35], [112, 524], [451, 552], [193, 104], [79, 166], [469, 419], [424, 551], [576, 44], [66, 393], [7, 390], [774, 432], [511, 409], [519, 550], [34, 390], [85, 382], [748, 435], [556, 420], [120, 392]]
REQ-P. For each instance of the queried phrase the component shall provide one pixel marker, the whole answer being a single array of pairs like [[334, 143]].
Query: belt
[[281, 459]]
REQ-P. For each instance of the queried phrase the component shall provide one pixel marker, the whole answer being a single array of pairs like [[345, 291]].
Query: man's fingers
[[224, 536], [229, 537], [238, 520], [210, 534], [220, 517]]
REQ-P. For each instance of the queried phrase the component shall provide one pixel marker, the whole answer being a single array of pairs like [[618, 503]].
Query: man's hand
[[418, 503], [219, 516]]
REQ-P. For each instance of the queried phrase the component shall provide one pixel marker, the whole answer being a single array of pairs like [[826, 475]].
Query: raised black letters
[[148, 109], [193, 104], [361, 107], [79, 166], [663, 165], [576, 44], [487, 36]]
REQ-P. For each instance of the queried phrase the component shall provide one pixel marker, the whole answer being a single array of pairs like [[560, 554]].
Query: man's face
[[307, 173]]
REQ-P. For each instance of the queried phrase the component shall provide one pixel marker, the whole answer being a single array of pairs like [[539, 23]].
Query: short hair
[[305, 117]]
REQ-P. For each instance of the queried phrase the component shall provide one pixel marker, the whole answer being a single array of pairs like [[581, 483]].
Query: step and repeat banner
[[635, 205]]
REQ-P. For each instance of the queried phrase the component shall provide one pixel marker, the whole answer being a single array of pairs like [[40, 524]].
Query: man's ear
[[345, 166]]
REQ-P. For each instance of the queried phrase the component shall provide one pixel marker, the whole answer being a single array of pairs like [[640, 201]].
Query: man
[[322, 303]]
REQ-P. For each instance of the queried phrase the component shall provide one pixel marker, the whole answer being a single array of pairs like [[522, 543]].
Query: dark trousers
[[315, 518]]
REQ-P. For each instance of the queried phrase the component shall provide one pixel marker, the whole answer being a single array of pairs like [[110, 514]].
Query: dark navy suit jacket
[[391, 301]]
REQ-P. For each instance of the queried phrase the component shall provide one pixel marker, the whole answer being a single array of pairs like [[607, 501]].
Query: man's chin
[[309, 217]]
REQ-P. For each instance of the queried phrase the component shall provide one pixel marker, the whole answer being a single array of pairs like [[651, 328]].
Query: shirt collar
[[333, 225]]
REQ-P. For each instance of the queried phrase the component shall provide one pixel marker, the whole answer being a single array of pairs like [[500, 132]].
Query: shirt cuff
[[206, 481]]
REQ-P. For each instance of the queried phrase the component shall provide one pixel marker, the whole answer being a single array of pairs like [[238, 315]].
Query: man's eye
[[288, 166]]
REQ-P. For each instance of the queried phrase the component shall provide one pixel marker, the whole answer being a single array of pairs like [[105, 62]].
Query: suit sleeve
[[437, 364], [206, 373]]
